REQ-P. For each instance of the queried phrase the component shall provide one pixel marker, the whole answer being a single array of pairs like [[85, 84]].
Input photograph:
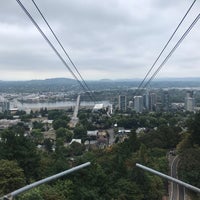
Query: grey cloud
[[103, 37]]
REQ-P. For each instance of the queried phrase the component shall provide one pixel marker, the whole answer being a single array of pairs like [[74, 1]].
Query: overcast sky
[[106, 39]]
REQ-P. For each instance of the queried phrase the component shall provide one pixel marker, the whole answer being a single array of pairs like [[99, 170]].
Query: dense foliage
[[112, 173], [189, 148]]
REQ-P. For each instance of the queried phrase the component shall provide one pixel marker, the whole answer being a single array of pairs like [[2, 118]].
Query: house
[[93, 134], [122, 130], [76, 140]]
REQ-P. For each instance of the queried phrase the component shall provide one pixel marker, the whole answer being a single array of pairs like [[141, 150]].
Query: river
[[54, 105]]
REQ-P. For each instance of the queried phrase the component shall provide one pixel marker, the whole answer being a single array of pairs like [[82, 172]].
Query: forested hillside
[[112, 173]]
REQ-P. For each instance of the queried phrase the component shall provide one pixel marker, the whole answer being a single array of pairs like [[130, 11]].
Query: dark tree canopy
[[11, 177], [194, 128]]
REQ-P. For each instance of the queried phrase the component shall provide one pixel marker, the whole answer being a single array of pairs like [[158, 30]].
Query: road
[[177, 191]]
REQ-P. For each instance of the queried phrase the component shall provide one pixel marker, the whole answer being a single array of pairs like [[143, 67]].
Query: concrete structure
[[165, 101], [138, 103], [5, 105], [190, 102], [146, 101], [76, 140], [98, 107], [152, 101], [122, 103], [74, 120], [92, 133]]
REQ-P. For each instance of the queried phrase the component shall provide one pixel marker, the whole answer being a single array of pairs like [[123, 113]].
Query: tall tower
[[165, 101], [138, 104], [146, 100], [190, 101], [152, 101], [5, 106], [122, 102]]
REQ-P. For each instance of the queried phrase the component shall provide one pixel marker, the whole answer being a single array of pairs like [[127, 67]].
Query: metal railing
[[11, 195], [191, 187]]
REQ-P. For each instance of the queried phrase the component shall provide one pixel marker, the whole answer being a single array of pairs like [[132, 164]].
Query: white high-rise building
[[138, 104], [190, 102]]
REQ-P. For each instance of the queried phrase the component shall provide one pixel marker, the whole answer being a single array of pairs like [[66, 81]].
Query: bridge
[[74, 119]]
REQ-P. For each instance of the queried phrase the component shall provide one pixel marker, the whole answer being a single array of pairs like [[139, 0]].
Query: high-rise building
[[165, 101], [190, 101], [122, 102], [5, 105], [146, 101], [138, 104], [152, 101]]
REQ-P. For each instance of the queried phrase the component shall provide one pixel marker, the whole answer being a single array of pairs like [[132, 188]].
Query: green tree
[[48, 145], [194, 128], [143, 154], [188, 167], [185, 143], [69, 135], [11, 177], [61, 133], [58, 114], [43, 112], [59, 123], [37, 136], [25, 118], [127, 189], [37, 125], [66, 188], [80, 132], [33, 194], [15, 146], [76, 149], [65, 134]]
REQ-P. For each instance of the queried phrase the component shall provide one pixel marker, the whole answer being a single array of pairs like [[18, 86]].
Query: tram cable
[[153, 65], [52, 46], [64, 50], [173, 50]]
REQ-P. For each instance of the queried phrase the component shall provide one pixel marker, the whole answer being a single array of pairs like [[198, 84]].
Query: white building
[[190, 102], [98, 107]]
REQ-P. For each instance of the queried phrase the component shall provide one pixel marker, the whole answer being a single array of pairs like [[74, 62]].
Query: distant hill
[[67, 84], [54, 84], [187, 79]]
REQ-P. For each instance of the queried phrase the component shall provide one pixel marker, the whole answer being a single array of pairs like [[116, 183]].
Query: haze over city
[[105, 39]]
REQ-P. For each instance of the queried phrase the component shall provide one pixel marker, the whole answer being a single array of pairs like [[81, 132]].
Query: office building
[[5, 106], [146, 101], [152, 101], [190, 101], [122, 103], [165, 101], [138, 104]]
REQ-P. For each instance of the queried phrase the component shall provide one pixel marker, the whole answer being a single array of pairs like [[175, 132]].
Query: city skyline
[[106, 40]]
